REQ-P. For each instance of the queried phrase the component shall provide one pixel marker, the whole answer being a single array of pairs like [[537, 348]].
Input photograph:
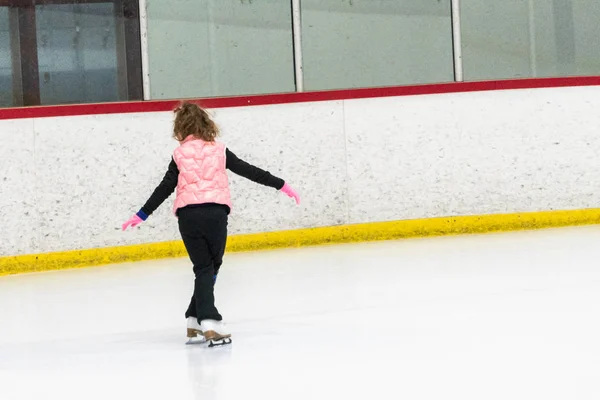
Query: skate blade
[[219, 342]]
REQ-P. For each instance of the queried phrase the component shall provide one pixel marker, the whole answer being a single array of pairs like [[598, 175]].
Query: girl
[[202, 205]]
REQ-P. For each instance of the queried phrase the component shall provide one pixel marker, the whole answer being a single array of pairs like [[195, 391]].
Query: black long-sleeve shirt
[[240, 167]]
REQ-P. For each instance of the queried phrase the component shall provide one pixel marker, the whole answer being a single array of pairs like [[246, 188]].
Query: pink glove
[[287, 189], [133, 222]]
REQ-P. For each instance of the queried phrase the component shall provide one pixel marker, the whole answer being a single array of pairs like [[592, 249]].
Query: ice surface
[[504, 316]]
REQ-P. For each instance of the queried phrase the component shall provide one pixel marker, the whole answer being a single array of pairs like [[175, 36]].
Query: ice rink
[[502, 316]]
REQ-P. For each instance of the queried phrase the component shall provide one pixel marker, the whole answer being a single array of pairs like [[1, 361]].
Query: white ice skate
[[215, 332], [194, 332]]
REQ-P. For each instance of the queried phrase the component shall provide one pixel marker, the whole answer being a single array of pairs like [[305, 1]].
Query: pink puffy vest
[[202, 173]]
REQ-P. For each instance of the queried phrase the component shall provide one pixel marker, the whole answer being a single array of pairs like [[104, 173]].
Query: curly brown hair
[[191, 119]]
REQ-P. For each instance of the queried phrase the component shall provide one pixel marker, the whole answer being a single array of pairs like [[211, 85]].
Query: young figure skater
[[202, 205]]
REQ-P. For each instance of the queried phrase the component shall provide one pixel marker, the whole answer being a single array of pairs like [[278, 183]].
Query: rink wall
[[431, 159]]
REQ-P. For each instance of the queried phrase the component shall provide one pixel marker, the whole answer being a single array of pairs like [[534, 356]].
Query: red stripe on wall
[[285, 98]]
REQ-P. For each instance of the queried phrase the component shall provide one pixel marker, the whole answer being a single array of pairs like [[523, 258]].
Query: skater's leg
[[204, 293], [191, 310], [215, 233], [191, 222], [216, 237]]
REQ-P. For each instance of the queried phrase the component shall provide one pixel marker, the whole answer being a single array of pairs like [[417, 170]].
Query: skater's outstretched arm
[[161, 193], [255, 174], [249, 171]]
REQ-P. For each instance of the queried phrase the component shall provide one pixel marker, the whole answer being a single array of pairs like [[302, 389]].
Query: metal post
[[532, 40], [457, 41], [213, 48], [297, 35], [144, 43]]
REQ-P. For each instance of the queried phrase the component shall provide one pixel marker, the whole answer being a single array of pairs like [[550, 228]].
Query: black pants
[[204, 233]]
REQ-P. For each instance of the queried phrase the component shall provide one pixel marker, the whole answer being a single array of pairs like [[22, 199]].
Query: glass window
[[366, 43], [202, 48], [6, 70], [530, 38], [61, 51], [77, 53]]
